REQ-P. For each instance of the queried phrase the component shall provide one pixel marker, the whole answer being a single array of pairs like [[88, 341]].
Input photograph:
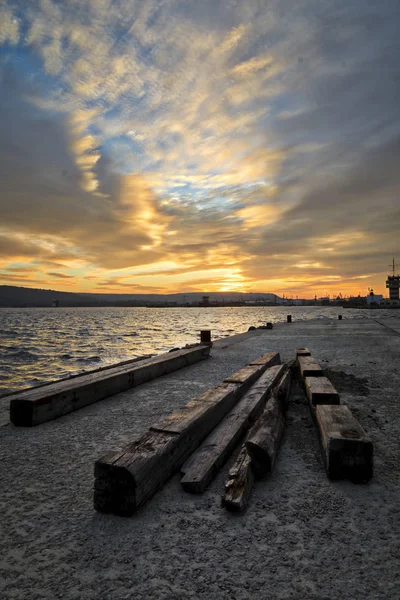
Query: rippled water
[[38, 345]]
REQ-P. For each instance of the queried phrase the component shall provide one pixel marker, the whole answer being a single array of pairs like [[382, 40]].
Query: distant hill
[[13, 296], [20, 296]]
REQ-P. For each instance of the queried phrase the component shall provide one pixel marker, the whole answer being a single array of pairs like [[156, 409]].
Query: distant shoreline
[[200, 305]]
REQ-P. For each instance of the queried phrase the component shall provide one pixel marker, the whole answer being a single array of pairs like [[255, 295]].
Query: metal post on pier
[[205, 336]]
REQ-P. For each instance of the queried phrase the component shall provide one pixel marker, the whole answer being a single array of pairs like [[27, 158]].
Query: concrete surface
[[303, 537]]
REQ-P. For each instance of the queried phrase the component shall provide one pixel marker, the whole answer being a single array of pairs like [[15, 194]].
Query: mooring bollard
[[340, 317], [289, 318], [205, 336]]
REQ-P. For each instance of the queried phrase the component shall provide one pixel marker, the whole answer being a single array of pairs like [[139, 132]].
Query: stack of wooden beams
[[196, 439], [346, 449], [257, 455], [201, 467]]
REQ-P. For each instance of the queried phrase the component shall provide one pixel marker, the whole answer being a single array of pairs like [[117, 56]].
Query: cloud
[[45, 212], [351, 212], [9, 27], [262, 137], [61, 275]]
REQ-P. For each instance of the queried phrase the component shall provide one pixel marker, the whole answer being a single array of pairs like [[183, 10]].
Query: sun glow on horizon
[[133, 161]]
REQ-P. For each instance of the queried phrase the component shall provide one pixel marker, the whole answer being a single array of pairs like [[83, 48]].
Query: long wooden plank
[[309, 367], [249, 373], [129, 477], [72, 376], [220, 399], [265, 359], [240, 483], [88, 378], [347, 450], [282, 391], [37, 406], [320, 390], [241, 475], [125, 479], [253, 371], [202, 466], [264, 438], [244, 378]]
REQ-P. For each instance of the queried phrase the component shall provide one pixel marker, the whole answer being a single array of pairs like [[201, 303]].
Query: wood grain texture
[[224, 395], [35, 406], [303, 352], [239, 382], [309, 367], [241, 475], [263, 440], [126, 479], [282, 391], [203, 465], [320, 390], [270, 359], [240, 483], [264, 437], [346, 449]]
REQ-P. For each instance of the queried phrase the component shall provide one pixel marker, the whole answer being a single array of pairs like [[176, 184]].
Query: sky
[[161, 146]]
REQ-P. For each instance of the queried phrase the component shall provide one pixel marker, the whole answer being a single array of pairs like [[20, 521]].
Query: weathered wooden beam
[[241, 475], [320, 390], [240, 483], [253, 371], [38, 405], [271, 358], [205, 410], [302, 352], [249, 374], [264, 438], [202, 466], [126, 479], [347, 450], [75, 375], [187, 417], [282, 391], [309, 367]]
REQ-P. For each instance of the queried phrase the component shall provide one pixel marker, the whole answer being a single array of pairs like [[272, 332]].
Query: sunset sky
[[172, 145]]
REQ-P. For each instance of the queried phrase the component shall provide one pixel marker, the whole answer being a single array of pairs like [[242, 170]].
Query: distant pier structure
[[393, 283]]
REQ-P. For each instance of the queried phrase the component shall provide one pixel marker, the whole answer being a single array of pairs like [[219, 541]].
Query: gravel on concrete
[[302, 537]]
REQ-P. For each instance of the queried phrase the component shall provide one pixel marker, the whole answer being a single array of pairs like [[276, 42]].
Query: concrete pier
[[303, 536]]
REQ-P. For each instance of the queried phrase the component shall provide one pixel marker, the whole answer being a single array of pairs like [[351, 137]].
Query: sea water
[[38, 345]]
